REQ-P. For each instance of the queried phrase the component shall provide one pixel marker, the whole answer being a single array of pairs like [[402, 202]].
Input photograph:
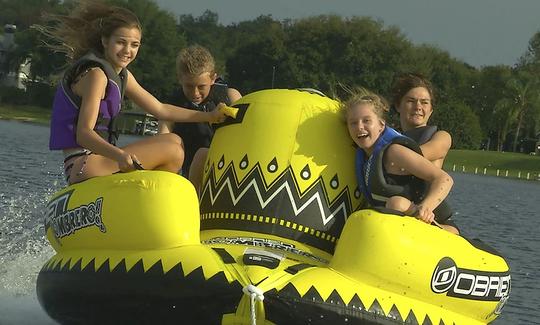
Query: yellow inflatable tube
[[275, 239]]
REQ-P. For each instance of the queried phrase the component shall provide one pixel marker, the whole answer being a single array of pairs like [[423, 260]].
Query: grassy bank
[[33, 114], [502, 164]]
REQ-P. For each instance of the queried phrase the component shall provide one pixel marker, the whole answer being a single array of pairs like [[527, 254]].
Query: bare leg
[[161, 152], [402, 204], [196, 169], [399, 203]]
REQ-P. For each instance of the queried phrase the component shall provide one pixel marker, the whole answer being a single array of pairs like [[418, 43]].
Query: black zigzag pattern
[[86, 295], [288, 306], [282, 200]]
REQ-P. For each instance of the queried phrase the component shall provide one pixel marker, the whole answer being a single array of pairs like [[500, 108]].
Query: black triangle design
[[156, 269], [395, 314], [90, 267], [335, 299], [56, 266], [65, 268], [176, 271], [105, 267], [120, 267], [411, 318], [196, 274], [77, 266], [376, 308], [427, 321], [218, 278], [272, 292], [137, 268], [356, 303], [313, 295], [290, 291]]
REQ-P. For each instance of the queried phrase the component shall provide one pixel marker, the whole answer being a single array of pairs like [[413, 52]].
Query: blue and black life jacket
[[375, 183], [370, 171]]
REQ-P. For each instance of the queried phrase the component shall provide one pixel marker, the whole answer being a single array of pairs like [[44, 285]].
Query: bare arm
[[233, 94], [167, 126], [403, 161], [91, 88], [167, 112], [437, 147]]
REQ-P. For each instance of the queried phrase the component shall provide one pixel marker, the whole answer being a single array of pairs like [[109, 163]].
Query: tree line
[[492, 107]]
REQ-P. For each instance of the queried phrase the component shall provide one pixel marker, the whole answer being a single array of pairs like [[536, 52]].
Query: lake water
[[503, 213]]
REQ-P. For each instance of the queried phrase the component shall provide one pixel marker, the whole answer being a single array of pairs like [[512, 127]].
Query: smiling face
[[415, 108], [364, 125], [197, 87], [121, 48]]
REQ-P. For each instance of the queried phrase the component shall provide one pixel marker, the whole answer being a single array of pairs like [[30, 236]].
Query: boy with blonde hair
[[202, 90]]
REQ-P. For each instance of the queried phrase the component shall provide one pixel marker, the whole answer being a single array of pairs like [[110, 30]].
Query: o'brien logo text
[[65, 222], [469, 284]]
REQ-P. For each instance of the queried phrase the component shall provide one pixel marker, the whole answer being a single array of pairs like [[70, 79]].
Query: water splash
[[23, 246]]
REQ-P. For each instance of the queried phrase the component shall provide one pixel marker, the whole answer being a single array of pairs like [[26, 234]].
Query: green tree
[[524, 89], [260, 58], [154, 67], [356, 51], [459, 120], [529, 64], [29, 46], [490, 103], [24, 14]]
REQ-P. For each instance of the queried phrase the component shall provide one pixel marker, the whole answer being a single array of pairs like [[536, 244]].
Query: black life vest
[[422, 134], [199, 135]]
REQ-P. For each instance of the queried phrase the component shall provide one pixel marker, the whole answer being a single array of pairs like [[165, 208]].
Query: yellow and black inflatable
[[272, 239]]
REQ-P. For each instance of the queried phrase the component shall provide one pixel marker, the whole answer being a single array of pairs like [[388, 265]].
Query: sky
[[479, 32]]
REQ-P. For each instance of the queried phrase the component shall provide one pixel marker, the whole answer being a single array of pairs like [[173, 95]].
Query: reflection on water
[[502, 212]]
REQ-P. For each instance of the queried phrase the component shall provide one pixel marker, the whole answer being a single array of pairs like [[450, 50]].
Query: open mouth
[[361, 135]]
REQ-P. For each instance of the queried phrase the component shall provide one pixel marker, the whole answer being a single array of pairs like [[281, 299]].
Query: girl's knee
[[174, 138], [176, 156], [398, 203]]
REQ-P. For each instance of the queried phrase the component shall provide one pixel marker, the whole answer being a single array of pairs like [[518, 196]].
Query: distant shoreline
[[23, 119], [491, 163], [27, 114]]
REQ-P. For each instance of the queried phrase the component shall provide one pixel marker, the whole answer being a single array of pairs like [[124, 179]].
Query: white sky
[[479, 32]]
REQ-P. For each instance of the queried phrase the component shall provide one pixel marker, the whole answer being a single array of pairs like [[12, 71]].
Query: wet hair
[[407, 81], [81, 31], [361, 95], [194, 60]]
